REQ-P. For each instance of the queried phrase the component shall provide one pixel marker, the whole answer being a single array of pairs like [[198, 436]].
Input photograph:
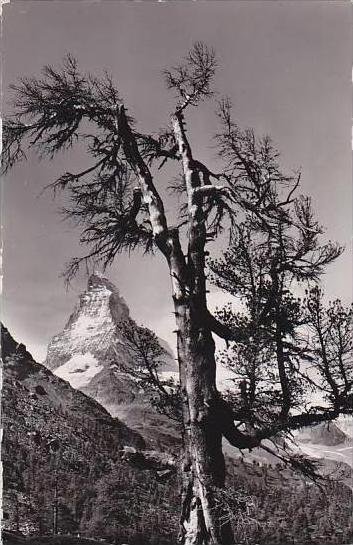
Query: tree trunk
[[203, 468], [203, 518]]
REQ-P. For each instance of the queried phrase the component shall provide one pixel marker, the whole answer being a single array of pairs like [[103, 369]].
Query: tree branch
[[150, 195], [222, 330], [207, 190]]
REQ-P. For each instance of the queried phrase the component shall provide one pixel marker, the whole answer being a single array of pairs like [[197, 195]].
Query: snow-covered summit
[[93, 325], [82, 353]]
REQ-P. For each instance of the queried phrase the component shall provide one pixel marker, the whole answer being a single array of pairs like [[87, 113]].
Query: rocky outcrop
[[345, 424]]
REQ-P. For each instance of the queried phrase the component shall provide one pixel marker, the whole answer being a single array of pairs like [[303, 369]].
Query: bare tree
[[118, 204]]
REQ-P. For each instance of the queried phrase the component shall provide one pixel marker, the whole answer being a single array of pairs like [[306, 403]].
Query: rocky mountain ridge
[[46, 392], [91, 328], [326, 433]]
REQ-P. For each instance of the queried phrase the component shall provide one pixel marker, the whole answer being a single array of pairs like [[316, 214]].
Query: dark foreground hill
[[62, 462], [63, 473]]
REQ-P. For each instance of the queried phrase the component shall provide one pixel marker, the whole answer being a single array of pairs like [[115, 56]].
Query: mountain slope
[[82, 352], [345, 424], [58, 445], [32, 391]]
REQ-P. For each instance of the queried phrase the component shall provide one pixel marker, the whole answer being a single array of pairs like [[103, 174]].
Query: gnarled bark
[[204, 469]]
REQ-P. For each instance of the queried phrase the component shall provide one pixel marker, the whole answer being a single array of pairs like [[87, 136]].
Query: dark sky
[[287, 68]]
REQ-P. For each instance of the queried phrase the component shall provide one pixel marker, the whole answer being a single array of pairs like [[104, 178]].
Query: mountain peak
[[92, 326], [98, 280], [83, 352], [325, 433]]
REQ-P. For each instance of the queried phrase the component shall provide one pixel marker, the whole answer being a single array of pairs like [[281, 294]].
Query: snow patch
[[79, 370]]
